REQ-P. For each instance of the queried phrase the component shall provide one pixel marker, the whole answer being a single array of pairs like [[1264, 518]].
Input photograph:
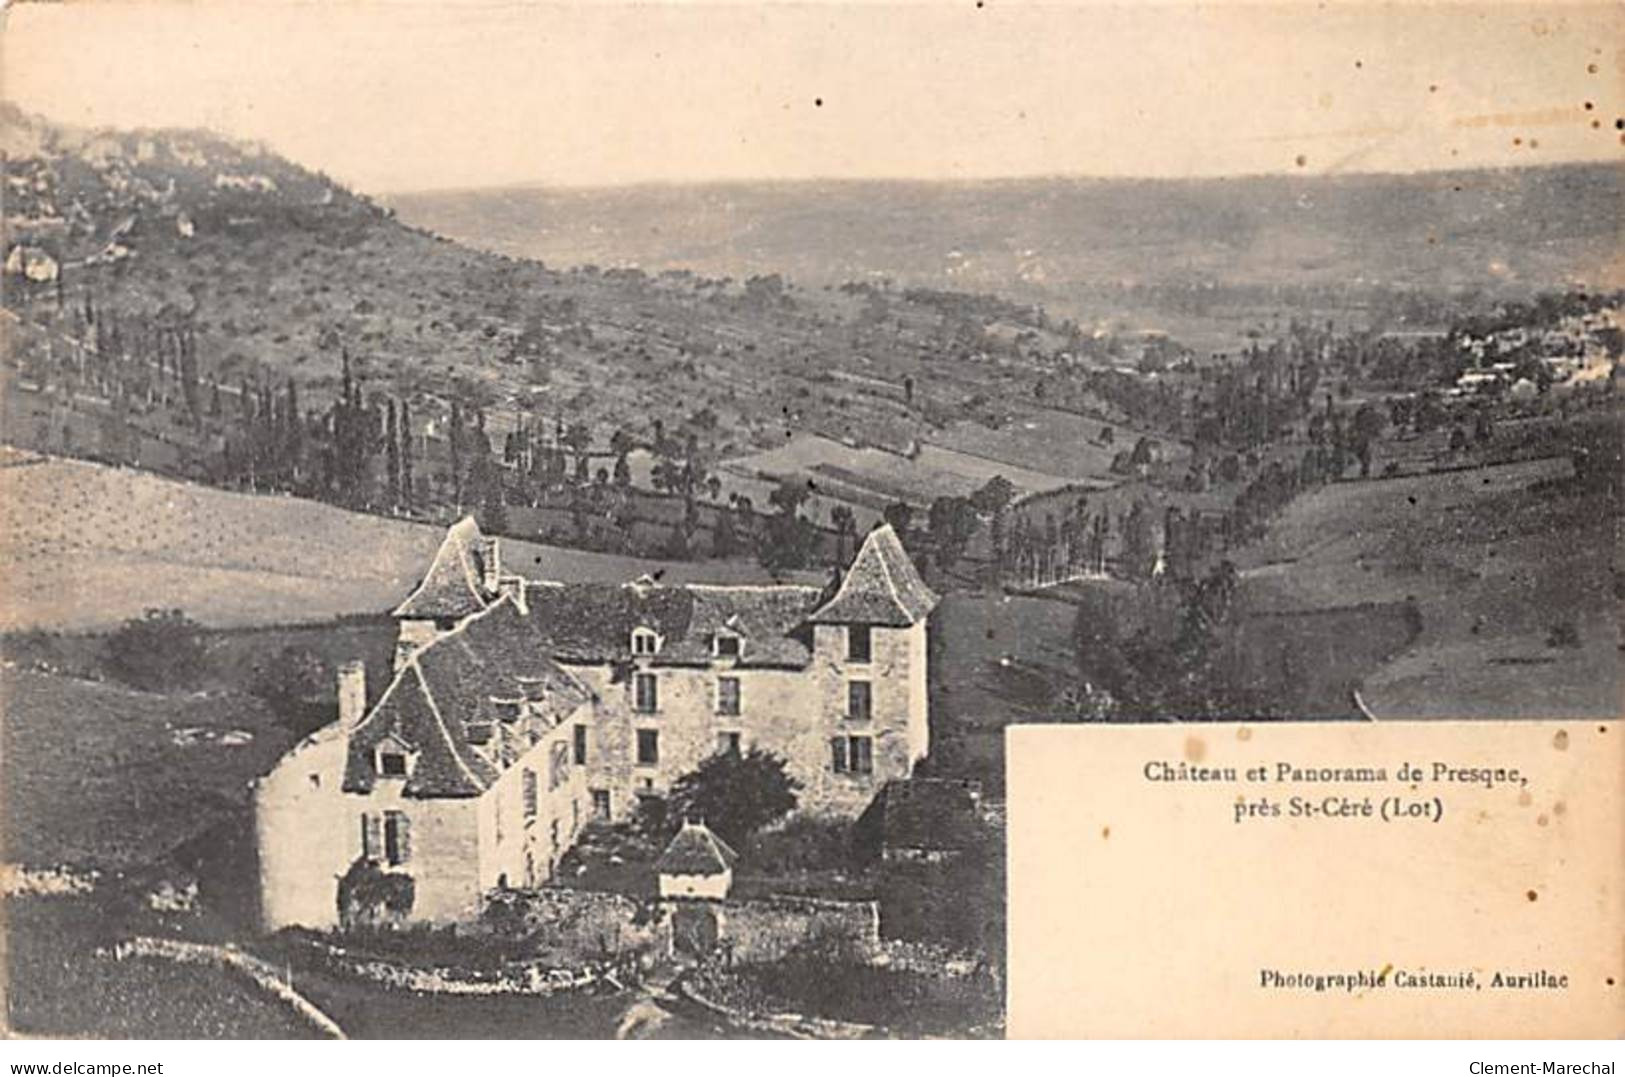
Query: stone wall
[[576, 926], [769, 928]]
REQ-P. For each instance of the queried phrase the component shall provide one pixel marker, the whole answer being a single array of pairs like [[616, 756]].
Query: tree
[[788, 497], [406, 437], [1368, 426], [994, 495], [735, 794], [161, 651], [952, 522], [899, 514], [298, 685], [1138, 551]]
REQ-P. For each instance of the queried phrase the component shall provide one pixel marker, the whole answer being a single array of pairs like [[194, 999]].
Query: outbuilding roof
[[696, 850]]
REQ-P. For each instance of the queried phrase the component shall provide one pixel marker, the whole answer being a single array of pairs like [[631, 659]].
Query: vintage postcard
[[813, 520]]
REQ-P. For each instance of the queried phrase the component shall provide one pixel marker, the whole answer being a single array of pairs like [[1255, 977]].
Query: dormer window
[[393, 759], [507, 710], [645, 642], [727, 645]]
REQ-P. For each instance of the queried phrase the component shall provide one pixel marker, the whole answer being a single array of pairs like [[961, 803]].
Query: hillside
[[83, 547], [276, 270], [1089, 249]]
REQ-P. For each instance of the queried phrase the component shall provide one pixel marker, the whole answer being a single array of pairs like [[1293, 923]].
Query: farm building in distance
[[520, 709]]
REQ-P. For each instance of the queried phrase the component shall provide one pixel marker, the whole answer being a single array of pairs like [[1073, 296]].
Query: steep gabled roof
[[881, 587], [446, 697], [593, 622], [695, 850], [451, 587]]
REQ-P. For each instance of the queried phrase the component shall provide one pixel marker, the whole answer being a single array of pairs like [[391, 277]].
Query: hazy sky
[[397, 96]]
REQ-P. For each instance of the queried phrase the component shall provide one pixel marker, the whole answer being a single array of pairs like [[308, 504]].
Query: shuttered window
[[371, 839], [581, 745], [852, 755], [397, 838], [860, 754], [645, 693], [528, 793], [728, 695]]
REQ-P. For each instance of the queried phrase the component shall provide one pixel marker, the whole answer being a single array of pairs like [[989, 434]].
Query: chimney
[[352, 693], [490, 565]]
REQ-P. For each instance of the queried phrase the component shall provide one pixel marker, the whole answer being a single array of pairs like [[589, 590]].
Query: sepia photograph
[[541, 520]]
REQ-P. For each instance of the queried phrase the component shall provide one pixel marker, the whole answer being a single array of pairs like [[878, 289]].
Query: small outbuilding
[[697, 864]]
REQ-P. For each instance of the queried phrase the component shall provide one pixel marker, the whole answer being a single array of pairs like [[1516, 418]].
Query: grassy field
[[100, 775], [84, 546], [58, 985], [1495, 558], [935, 472]]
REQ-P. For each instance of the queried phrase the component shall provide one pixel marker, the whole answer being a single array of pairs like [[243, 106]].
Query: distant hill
[[277, 271], [1073, 244]]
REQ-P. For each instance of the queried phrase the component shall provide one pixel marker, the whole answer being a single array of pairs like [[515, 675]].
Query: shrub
[[371, 897], [298, 685], [1563, 634], [160, 651], [735, 794]]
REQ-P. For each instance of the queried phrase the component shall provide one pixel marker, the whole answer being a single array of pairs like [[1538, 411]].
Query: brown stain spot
[[1105, 832], [1517, 142], [1591, 69], [1532, 896], [1433, 87], [1244, 734], [1524, 799], [1589, 106], [1302, 160], [1534, 143], [1541, 820], [1195, 749], [1560, 740], [1559, 808], [1382, 976]]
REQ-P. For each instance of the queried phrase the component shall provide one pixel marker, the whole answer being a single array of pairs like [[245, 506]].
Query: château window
[[859, 701], [528, 793], [397, 838], [392, 764], [859, 643], [645, 642], [852, 755], [727, 645], [645, 693], [581, 745], [728, 695], [648, 747], [727, 743]]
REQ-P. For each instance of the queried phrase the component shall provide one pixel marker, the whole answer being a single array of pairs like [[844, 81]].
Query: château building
[[519, 710]]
